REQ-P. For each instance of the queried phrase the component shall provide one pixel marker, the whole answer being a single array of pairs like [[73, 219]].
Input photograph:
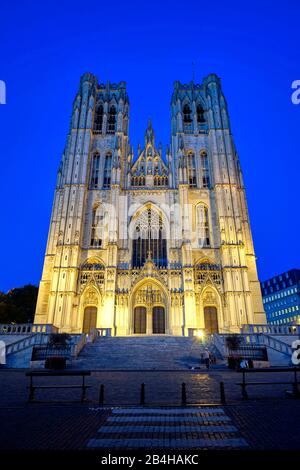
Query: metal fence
[[40, 353], [250, 352]]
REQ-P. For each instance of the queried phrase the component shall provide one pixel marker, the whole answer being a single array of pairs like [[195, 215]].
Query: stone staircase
[[154, 352]]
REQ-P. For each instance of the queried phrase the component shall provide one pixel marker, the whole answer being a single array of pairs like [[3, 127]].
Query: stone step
[[141, 352]]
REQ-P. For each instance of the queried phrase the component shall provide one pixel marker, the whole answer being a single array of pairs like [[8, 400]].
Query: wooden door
[[140, 320], [158, 321], [211, 320], [89, 319]]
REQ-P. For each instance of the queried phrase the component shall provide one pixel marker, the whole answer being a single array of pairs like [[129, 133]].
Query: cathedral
[[153, 242]]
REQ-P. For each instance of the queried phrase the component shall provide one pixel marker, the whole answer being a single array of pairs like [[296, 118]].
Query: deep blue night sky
[[46, 47]]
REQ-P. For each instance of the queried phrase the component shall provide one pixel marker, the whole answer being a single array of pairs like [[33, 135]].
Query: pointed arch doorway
[[149, 313], [89, 319], [211, 320]]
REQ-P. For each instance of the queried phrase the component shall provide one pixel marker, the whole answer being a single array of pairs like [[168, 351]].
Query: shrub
[[233, 342], [59, 339]]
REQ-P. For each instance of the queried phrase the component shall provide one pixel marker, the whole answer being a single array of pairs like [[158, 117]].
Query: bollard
[[142, 402], [296, 393], [101, 395], [222, 393], [244, 391], [183, 394]]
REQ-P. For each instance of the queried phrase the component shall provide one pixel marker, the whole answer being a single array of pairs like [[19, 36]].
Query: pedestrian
[[244, 364], [206, 358]]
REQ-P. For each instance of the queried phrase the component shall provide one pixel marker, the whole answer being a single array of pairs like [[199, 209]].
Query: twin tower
[[152, 243]]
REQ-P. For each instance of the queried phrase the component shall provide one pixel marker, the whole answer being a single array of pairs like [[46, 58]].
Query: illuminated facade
[[153, 244]]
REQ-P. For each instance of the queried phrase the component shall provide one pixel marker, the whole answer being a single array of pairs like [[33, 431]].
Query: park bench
[[294, 370], [58, 373]]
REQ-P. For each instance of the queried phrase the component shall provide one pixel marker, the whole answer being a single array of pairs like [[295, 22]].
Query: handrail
[[79, 345], [26, 328], [276, 344], [35, 338], [272, 329], [255, 339]]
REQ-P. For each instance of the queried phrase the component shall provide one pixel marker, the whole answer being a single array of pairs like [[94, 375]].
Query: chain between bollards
[[142, 401]]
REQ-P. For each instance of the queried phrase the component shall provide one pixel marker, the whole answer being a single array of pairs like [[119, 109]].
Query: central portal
[[149, 310], [158, 320]]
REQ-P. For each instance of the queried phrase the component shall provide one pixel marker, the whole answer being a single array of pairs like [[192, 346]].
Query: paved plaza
[[58, 421]]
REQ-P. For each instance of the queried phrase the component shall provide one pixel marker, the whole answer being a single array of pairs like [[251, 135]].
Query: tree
[[233, 342], [18, 305]]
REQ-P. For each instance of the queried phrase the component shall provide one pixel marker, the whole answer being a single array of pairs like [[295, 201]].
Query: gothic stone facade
[[150, 244]]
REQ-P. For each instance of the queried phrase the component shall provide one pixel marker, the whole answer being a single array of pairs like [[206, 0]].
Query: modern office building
[[281, 298]]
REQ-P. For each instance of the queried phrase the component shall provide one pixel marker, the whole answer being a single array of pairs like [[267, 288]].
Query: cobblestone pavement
[[161, 388], [268, 420]]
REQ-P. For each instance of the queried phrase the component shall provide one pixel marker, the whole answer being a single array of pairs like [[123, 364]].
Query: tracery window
[[200, 114], [92, 271], [205, 170], [98, 119], [202, 225], [149, 239], [202, 270], [95, 171], [107, 171], [191, 168], [187, 118], [97, 227], [112, 120]]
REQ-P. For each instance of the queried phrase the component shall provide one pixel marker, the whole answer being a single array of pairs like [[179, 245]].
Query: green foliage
[[233, 342], [18, 305], [59, 339]]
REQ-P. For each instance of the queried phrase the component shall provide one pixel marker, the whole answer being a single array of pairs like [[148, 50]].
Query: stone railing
[[272, 329], [269, 341], [79, 345], [81, 340], [219, 342], [24, 343], [26, 329], [252, 339]]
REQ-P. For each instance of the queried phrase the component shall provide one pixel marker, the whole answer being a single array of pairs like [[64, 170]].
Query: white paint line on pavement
[[174, 411], [168, 419], [166, 443], [179, 428]]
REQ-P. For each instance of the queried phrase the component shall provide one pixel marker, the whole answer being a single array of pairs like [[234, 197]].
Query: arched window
[[205, 170], [92, 271], [149, 238], [107, 171], [202, 226], [111, 122], [191, 168], [97, 227], [200, 114], [98, 119], [95, 171], [187, 114]]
